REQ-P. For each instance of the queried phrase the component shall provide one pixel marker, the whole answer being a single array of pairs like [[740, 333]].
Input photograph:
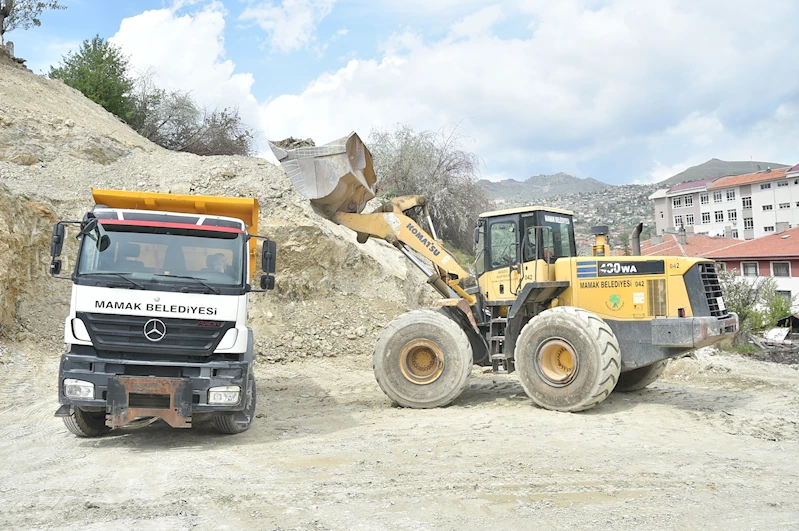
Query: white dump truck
[[157, 326]]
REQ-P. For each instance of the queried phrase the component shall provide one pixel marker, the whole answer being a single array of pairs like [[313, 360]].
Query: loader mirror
[[57, 240], [476, 234], [55, 267], [267, 282], [268, 259]]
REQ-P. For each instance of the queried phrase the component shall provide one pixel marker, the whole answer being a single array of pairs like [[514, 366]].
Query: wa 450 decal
[[594, 268]]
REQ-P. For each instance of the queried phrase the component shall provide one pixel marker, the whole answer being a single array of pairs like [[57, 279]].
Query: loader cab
[[507, 238]]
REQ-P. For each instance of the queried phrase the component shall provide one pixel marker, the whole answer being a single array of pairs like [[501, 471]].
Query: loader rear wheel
[[422, 360], [639, 378], [86, 423], [567, 359]]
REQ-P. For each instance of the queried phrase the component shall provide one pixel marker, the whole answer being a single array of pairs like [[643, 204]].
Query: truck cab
[[158, 316]]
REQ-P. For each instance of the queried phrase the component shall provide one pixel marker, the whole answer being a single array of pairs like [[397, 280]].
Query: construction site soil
[[712, 445]]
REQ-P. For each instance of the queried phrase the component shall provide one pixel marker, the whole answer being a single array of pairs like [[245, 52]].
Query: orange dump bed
[[245, 209]]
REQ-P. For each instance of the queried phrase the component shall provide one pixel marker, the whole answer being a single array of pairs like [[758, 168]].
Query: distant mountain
[[718, 168], [541, 186]]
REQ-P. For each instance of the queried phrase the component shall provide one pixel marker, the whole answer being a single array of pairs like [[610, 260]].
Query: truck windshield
[[163, 254]]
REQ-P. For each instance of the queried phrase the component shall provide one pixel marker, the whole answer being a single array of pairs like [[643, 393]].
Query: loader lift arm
[[339, 179], [391, 223]]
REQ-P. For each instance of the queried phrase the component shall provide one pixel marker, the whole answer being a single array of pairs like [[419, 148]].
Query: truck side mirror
[[57, 240], [268, 259], [55, 267], [267, 282]]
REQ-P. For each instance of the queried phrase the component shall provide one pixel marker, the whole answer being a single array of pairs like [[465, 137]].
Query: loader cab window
[[548, 236], [503, 240]]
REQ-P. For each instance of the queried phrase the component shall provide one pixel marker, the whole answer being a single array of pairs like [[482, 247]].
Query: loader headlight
[[226, 394], [78, 389]]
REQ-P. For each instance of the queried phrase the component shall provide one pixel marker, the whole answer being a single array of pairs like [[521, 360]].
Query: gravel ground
[[713, 445]]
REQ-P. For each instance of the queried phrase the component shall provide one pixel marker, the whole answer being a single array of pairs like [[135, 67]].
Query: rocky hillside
[[55, 145], [539, 186]]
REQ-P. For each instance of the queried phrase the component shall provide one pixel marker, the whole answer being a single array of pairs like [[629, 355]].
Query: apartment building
[[740, 207]]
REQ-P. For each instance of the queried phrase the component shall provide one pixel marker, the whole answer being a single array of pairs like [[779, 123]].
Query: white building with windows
[[740, 207]]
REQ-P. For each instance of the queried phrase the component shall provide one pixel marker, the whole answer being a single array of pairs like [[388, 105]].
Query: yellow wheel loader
[[574, 327]]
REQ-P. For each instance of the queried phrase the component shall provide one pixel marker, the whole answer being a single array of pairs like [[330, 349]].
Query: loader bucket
[[336, 177]]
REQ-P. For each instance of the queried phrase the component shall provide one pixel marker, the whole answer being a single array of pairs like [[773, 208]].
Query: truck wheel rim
[[421, 361], [557, 362]]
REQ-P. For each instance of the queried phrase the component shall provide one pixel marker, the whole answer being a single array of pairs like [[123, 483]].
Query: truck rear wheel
[[567, 359], [639, 378], [86, 423], [234, 422], [422, 360]]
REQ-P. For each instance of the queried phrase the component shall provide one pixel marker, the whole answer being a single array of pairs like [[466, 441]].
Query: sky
[[622, 91]]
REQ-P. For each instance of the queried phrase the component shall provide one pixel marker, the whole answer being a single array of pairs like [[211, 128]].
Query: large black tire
[[567, 359], [639, 378], [228, 423], [86, 423], [422, 360]]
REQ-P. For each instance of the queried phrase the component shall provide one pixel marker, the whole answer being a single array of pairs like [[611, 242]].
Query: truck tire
[[567, 359], [639, 378], [422, 360], [228, 423], [86, 423]]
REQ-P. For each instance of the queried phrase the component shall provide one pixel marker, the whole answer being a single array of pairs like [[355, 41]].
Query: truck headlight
[[79, 330], [226, 394], [78, 389]]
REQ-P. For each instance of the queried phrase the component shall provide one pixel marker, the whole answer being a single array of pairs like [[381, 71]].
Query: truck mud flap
[[130, 397]]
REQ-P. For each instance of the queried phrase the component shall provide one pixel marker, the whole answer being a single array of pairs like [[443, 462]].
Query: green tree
[[756, 301], [99, 70], [433, 165], [23, 14]]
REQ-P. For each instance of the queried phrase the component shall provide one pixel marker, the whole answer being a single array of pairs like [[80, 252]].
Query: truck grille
[[125, 333], [712, 287]]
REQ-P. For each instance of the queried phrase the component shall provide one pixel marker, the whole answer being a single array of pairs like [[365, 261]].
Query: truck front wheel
[[234, 422], [86, 423]]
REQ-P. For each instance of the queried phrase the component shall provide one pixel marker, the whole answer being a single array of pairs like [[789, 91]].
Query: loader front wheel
[[567, 359], [639, 378], [422, 360]]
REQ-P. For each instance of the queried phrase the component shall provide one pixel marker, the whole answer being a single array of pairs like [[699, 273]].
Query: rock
[[24, 159], [69, 122]]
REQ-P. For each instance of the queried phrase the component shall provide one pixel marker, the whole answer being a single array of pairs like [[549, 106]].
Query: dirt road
[[713, 445]]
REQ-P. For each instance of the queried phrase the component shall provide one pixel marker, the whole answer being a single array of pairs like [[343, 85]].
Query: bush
[[756, 302], [435, 166]]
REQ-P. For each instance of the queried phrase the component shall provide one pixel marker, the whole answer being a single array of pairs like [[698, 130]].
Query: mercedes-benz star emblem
[[154, 330]]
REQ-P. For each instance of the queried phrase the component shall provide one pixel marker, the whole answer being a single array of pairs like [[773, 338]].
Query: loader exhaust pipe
[[635, 239]]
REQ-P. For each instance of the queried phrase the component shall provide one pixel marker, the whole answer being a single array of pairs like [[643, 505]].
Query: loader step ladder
[[496, 342]]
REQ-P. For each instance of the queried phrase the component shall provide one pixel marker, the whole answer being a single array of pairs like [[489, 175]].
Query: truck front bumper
[[692, 332], [129, 389]]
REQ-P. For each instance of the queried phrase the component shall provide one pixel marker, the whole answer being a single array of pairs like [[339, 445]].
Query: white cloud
[[590, 83], [615, 91], [291, 24], [187, 51]]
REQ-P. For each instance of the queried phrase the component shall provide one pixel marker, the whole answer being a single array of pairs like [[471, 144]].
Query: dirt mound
[[325, 302]]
